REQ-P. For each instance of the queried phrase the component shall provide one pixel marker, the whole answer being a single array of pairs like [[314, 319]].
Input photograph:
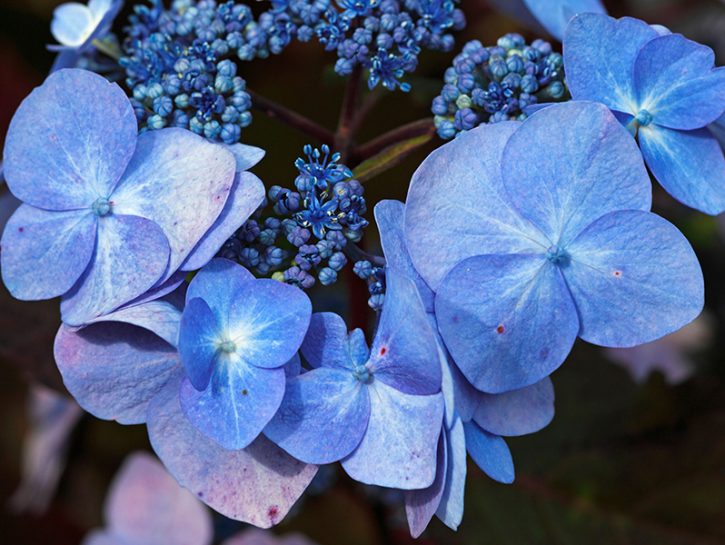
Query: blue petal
[[199, 335], [169, 286], [326, 344], [113, 370], [599, 57], [688, 164], [399, 447], [130, 256], [404, 354], [421, 505], [450, 510], [634, 279], [293, 367], [676, 83], [245, 197], [518, 335], [358, 347], [456, 206], [159, 316], [72, 24], [257, 485], [45, 253], [99, 8], [268, 321], [390, 217], [246, 156], [146, 505], [555, 15], [69, 141], [717, 129], [586, 164], [181, 182], [237, 404], [518, 412], [466, 396], [215, 283], [323, 416], [490, 453]]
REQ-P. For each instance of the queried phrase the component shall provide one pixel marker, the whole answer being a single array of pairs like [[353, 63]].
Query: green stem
[[107, 48], [421, 128]]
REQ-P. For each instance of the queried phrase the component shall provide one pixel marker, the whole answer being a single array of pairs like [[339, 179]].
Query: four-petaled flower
[[542, 234], [665, 89]]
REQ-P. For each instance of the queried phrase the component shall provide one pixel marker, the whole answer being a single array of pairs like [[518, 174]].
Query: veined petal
[[421, 505], [689, 164], [450, 510], [518, 412], [599, 57], [199, 338], [677, 84], [586, 164], [113, 370], [515, 338], [490, 453], [246, 156], [400, 444], [181, 182], [44, 253], [326, 342], [69, 141], [237, 404], [634, 279], [216, 283], [72, 24], [456, 205], [323, 416], [257, 485], [130, 256], [245, 197], [554, 15]]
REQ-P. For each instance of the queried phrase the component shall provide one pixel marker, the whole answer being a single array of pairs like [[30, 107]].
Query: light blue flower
[[666, 89], [126, 368], [534, 233], [377, 410], [236, 334], [108, 214]]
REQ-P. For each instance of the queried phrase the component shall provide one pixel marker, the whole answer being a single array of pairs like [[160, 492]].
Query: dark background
[[622, 463]]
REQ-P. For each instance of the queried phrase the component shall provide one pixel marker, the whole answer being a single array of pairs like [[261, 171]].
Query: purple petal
[[450, 510], [69, 141], [114, 369], [323, 416], [421, 505], [245, 197], [399, 448], [490, 453], [518, 412], [162, 290], [181, 182], [587, 164], [253, 536], [405, 354], [130, 256], [44, 253], [146, 505], [257, 485], [689, 164], [326, 342]]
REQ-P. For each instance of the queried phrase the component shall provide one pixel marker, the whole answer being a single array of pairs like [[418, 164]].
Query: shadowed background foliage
[[624, 462]]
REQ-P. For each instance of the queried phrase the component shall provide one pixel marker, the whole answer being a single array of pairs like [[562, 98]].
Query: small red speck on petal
[[617, 273], [383, 351], [500, 329], [272, 513]]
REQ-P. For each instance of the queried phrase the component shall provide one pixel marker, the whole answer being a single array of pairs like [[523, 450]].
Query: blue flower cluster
[[384, 37], [492, 84], [374, 276], [304, 236], [179, 69]]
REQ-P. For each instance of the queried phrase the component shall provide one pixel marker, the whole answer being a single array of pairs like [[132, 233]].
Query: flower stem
[[292, 118], [420, 128], [345, 135], [109, 49]]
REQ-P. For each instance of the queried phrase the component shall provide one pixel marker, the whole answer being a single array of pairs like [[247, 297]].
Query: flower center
[[362, 374], [102, 207], [228, 347], [556, 255], [643, 118]]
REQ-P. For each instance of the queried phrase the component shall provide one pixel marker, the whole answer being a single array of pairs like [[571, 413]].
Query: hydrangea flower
[[109, 214], [377, 410], [552, 15], [492, 84], [473, 421], [542, 234], [126, 367], [666, 89], [76, 26], [146, 506], [237, 333]]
